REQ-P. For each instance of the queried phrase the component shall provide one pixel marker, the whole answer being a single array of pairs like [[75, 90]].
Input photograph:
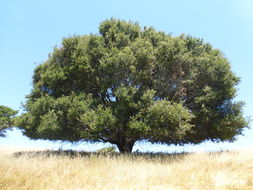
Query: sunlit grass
[[72, 171]]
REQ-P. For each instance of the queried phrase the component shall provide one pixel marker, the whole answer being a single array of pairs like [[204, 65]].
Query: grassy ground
[[52, 170]]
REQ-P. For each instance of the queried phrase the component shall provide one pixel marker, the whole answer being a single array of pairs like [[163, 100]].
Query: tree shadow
[[158, 157]]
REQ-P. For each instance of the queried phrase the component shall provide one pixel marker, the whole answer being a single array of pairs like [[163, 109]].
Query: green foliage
[[6, 118], [128, 84]]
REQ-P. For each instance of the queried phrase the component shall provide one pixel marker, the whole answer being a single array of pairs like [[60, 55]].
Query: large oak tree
[[128, 84]]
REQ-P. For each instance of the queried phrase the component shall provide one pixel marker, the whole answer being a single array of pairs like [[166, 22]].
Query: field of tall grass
[[52, 170]]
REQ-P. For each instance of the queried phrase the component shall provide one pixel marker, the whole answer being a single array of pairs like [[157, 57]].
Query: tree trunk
[[125, 147]]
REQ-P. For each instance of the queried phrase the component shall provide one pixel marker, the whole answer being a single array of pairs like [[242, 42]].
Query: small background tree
[[6, 119], [128, 84]]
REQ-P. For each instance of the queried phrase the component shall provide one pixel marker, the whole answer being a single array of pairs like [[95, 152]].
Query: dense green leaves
[[6, 118], [128, 84]]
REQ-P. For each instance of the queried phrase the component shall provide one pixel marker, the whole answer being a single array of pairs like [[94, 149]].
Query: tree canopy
[[129, 83], [6, 119]]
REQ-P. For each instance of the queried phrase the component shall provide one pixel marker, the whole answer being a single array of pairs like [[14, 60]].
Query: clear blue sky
[[30, 29]]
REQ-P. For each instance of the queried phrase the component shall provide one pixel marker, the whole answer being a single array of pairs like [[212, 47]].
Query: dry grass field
[[48, 170]]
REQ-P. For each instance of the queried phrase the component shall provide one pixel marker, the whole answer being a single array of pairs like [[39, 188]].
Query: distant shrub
[[110, 149]]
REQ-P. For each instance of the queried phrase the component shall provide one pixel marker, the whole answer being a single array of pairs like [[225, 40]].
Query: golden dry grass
[[202, 171]]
